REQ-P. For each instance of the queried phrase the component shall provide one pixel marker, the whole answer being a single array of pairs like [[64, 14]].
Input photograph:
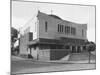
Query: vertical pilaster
[[81, 48], [71, 48]]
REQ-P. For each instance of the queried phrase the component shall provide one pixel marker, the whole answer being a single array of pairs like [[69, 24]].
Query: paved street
[[24, 66]]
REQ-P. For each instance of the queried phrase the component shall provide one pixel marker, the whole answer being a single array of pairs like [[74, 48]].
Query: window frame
[[46, 26]]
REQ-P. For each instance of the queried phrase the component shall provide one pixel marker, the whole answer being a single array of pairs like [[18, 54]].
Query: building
[[48, 37]]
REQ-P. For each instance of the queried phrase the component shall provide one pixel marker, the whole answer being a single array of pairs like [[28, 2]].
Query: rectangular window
[[46, 27], [58, 27], [82, 32], [73, 31], [68, 30], [62, 28]]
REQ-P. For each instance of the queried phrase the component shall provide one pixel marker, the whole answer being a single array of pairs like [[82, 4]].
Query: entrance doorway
[[73, 49]]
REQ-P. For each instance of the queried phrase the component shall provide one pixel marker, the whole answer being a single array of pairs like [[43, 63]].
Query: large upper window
[[46, 26], [67, 29], [73, 31], [60, 28]]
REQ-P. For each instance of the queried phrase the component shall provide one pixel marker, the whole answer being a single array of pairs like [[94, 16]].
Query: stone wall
[[44, 55], [52, 54]]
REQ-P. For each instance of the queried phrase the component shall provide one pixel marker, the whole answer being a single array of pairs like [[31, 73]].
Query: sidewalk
[[17, 58], [70, 62]]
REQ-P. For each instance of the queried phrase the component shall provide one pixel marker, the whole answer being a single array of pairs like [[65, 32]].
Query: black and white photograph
[[52, 37]]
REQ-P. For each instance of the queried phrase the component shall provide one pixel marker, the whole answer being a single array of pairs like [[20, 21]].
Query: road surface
[[22, 66]]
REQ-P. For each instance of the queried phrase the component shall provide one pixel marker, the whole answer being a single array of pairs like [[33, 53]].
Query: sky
[[22, 12]]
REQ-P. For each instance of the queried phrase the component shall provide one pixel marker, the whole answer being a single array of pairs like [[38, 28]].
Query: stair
[[65, 58]]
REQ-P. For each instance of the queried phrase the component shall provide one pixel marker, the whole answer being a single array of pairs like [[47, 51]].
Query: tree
[[91, 46], [14, 37]]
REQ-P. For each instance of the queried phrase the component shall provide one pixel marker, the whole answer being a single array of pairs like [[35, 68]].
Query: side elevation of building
[[48, 37]]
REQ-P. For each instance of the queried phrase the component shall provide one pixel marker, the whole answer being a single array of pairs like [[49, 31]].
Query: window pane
[[73, 31], [62, 27], [45, 26], [58, 28], [68, 30]]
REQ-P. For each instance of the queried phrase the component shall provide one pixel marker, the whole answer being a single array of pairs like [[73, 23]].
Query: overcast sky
[[22, 12]]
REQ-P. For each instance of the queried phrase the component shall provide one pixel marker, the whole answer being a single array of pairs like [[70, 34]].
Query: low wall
[[44, 55], [57, 54], [52, 54]]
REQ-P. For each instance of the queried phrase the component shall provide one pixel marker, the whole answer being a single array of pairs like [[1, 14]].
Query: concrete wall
[[52, 32], [49, 54], [24, 40], [34, 53], [44, 55], [52, 54]]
